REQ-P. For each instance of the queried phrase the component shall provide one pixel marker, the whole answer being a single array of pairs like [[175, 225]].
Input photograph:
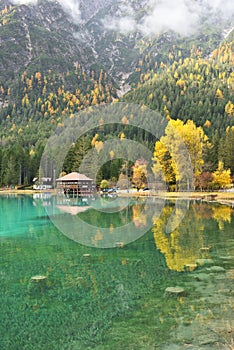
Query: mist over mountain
[[108, 32], [182, 16]]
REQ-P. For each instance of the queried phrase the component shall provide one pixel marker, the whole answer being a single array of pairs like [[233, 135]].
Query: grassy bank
[[207, 196], [15, 191]]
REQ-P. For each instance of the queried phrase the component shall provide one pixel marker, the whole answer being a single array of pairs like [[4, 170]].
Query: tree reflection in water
[[182, 247]]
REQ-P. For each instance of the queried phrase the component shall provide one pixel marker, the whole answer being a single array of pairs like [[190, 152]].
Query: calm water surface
[[105, 280]]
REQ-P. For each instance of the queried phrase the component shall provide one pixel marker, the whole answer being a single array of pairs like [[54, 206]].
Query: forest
[[193, 92]]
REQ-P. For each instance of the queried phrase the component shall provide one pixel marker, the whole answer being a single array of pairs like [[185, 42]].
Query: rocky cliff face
[[90, 8], [44, 35], [40, 35]]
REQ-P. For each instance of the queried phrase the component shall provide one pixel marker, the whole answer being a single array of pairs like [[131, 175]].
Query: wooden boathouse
[[76, 184]]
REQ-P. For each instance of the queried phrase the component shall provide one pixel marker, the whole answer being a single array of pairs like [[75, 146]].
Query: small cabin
[[45, 183], [76, 184]]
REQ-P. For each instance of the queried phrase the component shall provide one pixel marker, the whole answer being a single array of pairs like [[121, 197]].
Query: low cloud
[[224, 6], [120, 23], [181, 16], [177, 16], [71, 7], [24, 2], [123, 24]]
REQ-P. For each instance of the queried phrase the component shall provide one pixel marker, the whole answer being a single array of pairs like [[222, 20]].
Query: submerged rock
[[229, 258], [176, 291], [119, 244], [206, 339], [172, 347], [86, 255], [204, 249], [37, 284], [191, 267], [38, 278], [201, 262], [202, 277], [215, 269]]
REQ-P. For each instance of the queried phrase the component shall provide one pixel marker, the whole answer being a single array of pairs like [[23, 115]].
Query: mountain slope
[[46, 72], [192, 88], [52, 66], [30, 34], [125, 49]]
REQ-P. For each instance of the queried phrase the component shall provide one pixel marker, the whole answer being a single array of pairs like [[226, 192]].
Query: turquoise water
[[114, 298]]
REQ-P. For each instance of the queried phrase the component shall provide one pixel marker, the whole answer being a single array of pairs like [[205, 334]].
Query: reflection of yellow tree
[[97, 237], [139, 219], [111, 228], [221, 214], [182, 246]]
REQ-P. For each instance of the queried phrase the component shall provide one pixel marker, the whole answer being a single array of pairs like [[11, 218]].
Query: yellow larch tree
[[221, 177]]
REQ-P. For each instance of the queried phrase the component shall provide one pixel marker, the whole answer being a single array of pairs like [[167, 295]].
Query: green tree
[[211, 154], [226, 149], [76, 154]]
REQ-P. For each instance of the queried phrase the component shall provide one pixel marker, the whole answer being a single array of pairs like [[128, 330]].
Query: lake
[[94, 273]]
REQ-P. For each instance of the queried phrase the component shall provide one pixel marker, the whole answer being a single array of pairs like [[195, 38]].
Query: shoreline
[[15, 191], [226, 198]]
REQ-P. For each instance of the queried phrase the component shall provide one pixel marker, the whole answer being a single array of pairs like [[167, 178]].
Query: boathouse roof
[[74, 176]]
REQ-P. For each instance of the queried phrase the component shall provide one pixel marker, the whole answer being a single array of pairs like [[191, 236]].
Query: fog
[[181, 16], [71, 7]]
